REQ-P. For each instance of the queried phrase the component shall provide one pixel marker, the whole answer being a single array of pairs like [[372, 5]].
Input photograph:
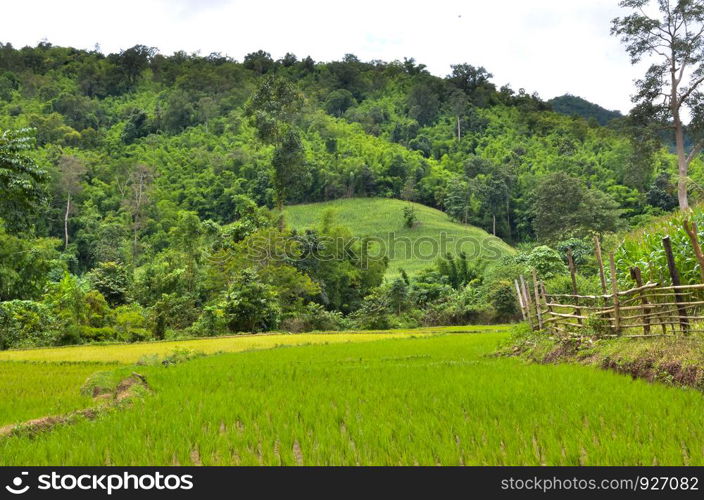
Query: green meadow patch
[[411, 249]]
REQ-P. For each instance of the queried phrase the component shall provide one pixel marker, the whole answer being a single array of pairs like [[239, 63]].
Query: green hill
[[571, 105], [409, 249]]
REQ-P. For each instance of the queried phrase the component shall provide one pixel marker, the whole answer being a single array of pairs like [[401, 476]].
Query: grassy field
[[132, 353], [425, 400], [33, 390], [414, 249]]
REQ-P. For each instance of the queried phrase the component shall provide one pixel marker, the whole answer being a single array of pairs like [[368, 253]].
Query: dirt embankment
[[122, 394], [672, 360]]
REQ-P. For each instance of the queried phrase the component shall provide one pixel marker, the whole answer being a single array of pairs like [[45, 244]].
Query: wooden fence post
[[675, 275], [547, 304], [614, 291], [537, 300], [691, 230], [520, 299], [526, 300], [573, 274], [636, 275], [600, 262]]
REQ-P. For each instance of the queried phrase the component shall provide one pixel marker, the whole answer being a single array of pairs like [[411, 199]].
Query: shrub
[[546, 261], [374, 312], [99, 313], [172, 311], [502, 297], [563, 285], [251, 305], [212, 321], [24, 323], [98, 334], [131, 323], [315, 317], [410, 220]]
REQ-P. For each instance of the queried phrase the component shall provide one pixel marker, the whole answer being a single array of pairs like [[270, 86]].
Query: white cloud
[[549, 46]]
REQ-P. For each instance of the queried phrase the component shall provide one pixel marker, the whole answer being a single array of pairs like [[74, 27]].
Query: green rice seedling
[[33, 390], [425, 400], [132, 353]]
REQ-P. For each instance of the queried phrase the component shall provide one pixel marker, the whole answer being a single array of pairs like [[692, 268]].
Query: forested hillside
[[153, 176], [576, 106]]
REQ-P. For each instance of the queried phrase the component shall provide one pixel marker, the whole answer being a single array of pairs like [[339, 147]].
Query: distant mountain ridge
[[569, 104]]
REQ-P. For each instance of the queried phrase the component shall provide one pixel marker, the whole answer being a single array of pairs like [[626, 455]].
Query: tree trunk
[[68, 209], [459, 129], [682, 165], [494, 224]]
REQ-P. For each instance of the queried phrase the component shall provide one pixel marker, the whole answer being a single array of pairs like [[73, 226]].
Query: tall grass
[[643, 248], [429, 400]]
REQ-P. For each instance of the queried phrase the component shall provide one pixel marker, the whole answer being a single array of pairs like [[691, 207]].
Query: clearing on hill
[[412, 249]]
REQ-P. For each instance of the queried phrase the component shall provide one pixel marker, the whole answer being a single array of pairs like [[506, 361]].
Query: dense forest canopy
[[573, 105], [152, 173]]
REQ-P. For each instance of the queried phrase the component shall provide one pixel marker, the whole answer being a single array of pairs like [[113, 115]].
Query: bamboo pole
[[638, 278], [691, 230], [573, 274], [526, 300], [600, 262], [614, 290], [537, 299], [675, 275], [520, 299], [545, 298]]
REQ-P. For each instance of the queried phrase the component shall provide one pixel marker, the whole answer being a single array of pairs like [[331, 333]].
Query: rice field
[[33, 390], [131, 353], [434, 399]]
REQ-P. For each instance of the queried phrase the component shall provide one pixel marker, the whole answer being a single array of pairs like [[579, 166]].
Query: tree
[[662, 194], [565, 207], [25, 265], [423, 103], [136, 200], [71, 169], [21, 179], [458, 200], [178, 112], [475, 82], [670, 87], [288, 161], [135, 60], [339, 101], [111, 280], [398, 294], [273, 110], [260, 62], [251, 305]]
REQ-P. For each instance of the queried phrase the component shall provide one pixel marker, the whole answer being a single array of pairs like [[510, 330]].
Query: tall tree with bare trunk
[[71, 169], [670, 33]]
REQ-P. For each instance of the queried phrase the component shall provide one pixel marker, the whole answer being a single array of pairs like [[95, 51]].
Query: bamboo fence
[[644, 310]]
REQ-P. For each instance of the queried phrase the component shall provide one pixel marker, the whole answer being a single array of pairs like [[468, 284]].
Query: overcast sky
[[549, 46]]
